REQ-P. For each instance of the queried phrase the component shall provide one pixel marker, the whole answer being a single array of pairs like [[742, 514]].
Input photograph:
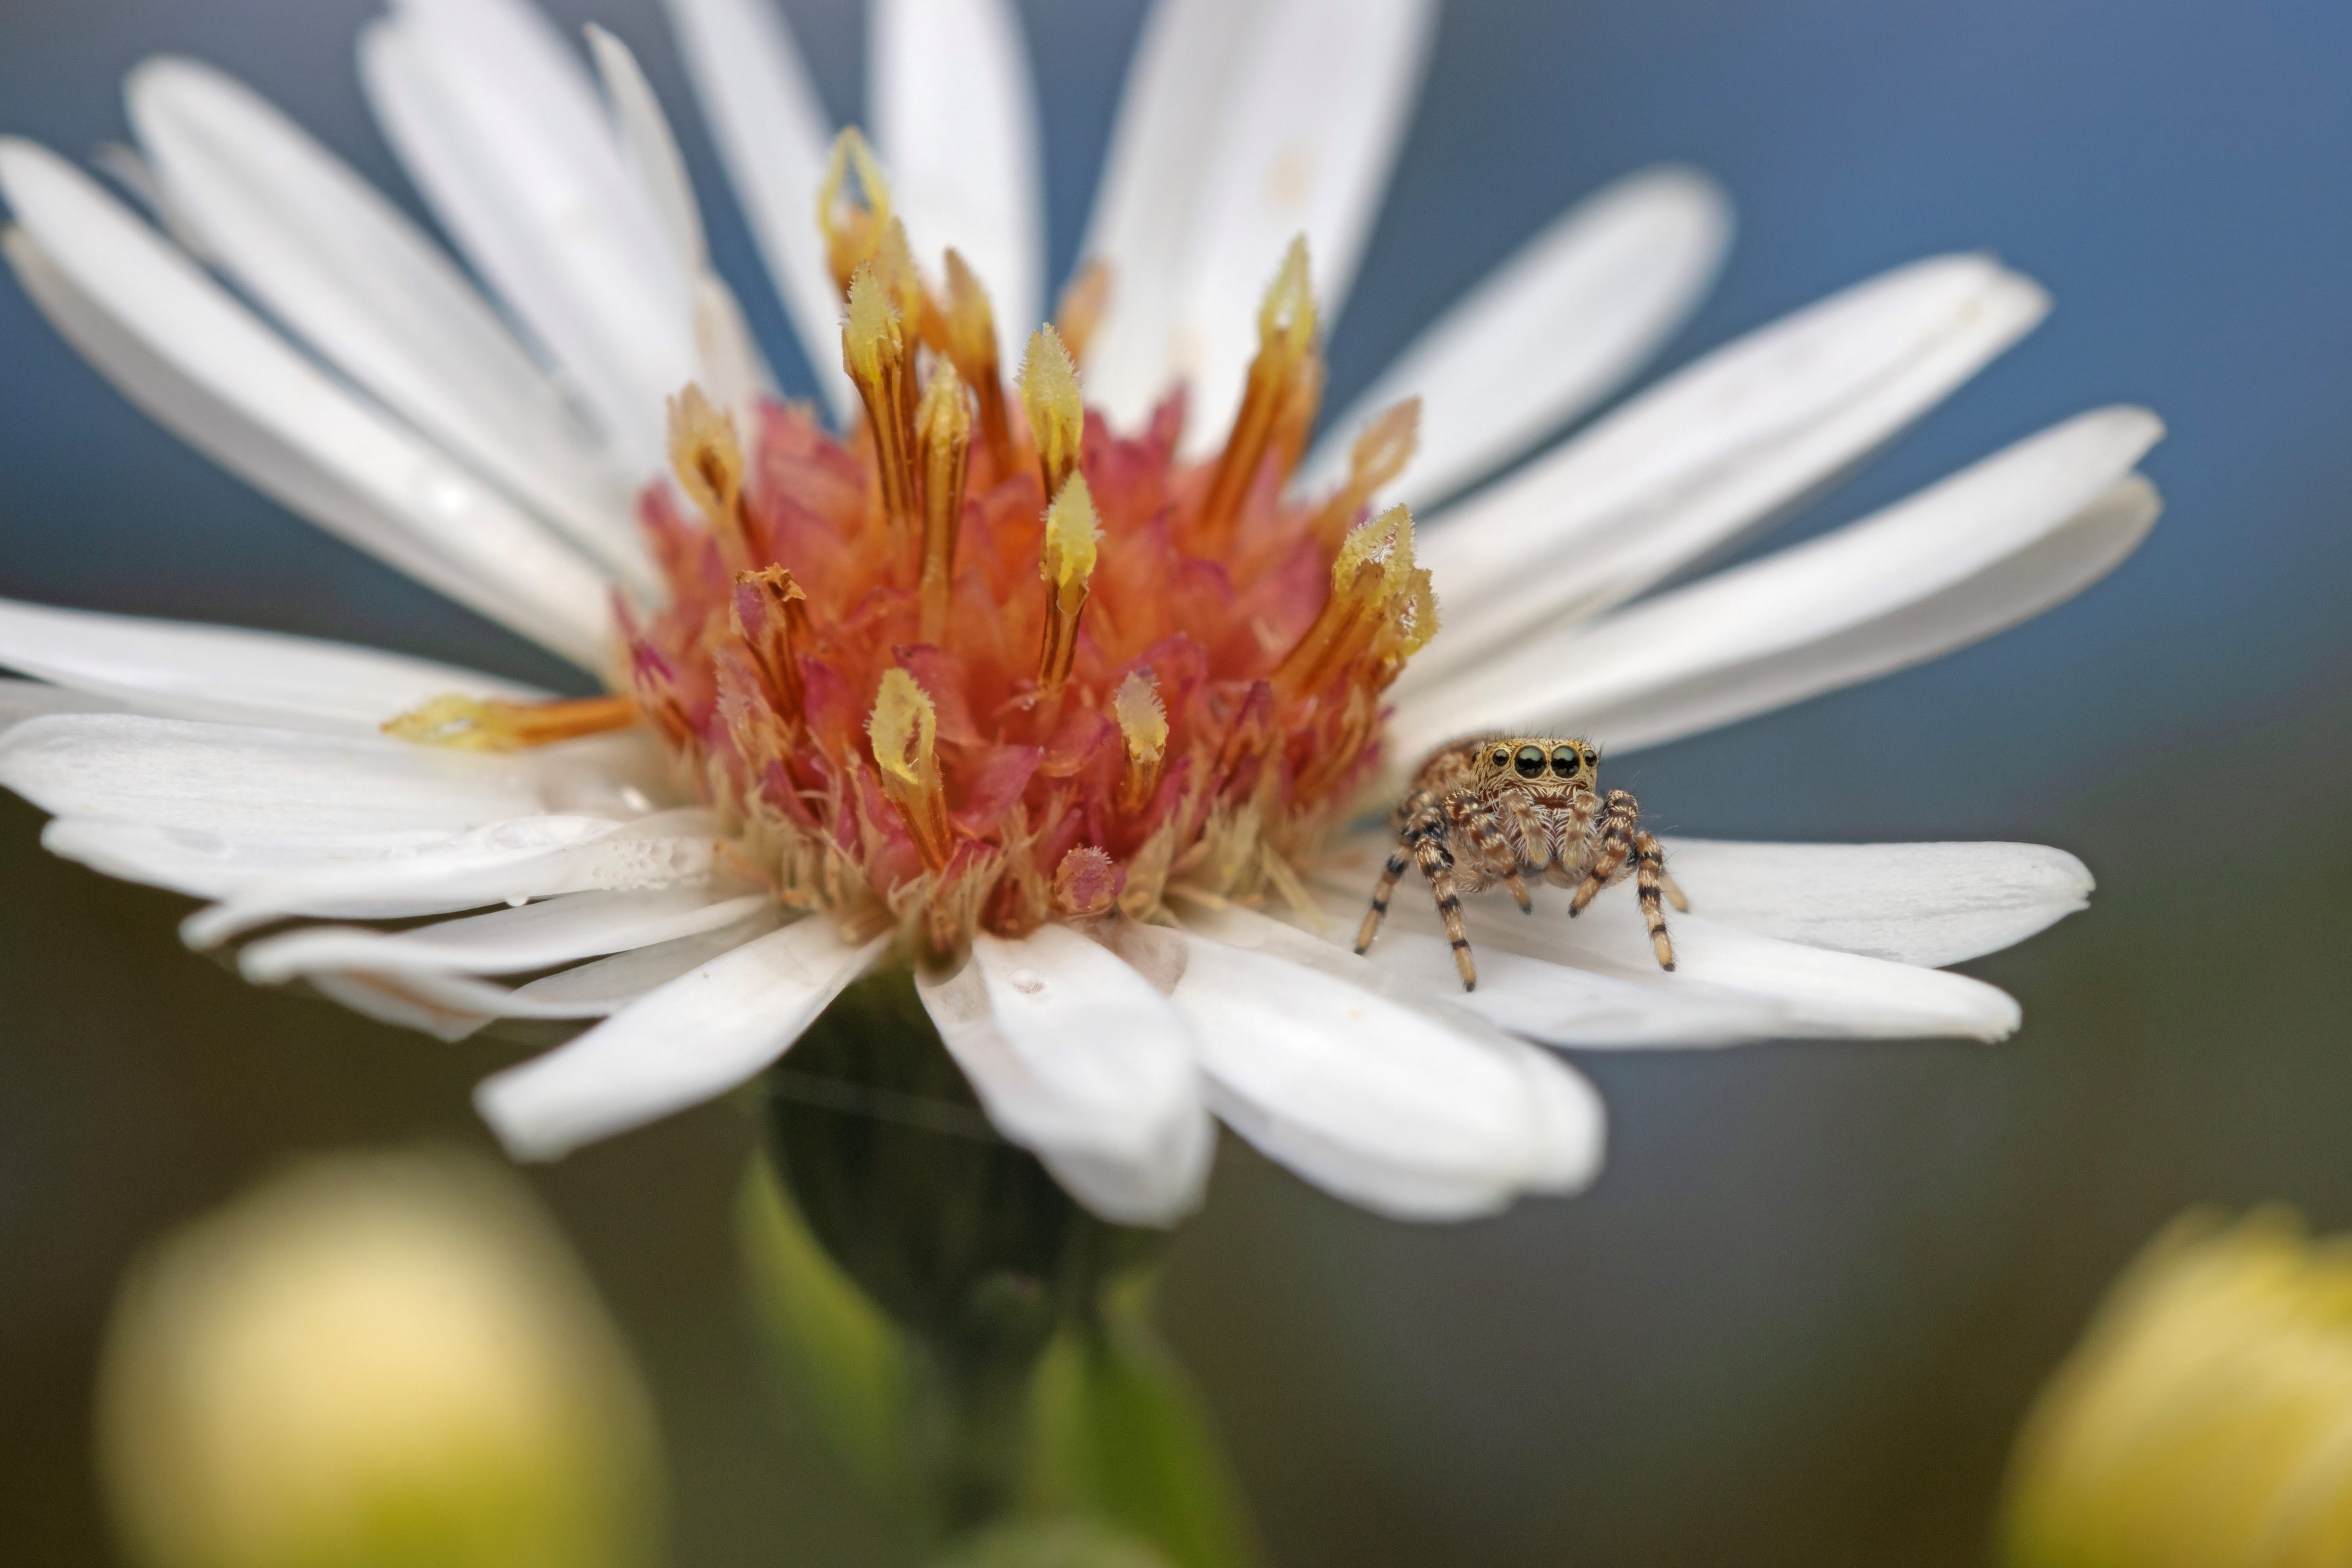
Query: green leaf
[[1118, 1432], [843, 1358]]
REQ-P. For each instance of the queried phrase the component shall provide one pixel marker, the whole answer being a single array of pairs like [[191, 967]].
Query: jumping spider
[[1487, 810]]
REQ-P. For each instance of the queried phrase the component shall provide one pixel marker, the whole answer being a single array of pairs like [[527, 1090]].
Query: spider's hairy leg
[[1649, 879], [1675, 894], [1398, 861], [1616, 834], [1438, 867], [1518, 887]]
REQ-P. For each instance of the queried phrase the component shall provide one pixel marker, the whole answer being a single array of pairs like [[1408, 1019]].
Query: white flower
[[247, 769]]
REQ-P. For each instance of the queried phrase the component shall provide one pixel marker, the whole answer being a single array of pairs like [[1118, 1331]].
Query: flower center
[[985, 662]]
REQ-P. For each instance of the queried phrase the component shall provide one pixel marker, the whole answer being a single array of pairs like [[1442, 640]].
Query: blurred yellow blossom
[[2206, 1419], [374, 1361]]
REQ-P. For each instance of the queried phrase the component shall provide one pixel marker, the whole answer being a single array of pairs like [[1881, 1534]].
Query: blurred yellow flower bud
[[2206, 1419], [374, 1361]]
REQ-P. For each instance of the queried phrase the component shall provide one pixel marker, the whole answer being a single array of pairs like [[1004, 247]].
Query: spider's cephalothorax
[[1493, 809]]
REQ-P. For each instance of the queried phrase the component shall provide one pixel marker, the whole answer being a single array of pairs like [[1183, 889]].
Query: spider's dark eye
[[1530, 762], [1502, 756], [1564, 761]]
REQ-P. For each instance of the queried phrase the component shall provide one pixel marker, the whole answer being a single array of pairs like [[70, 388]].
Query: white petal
[[955, 122], [772, 135], [1178, 84], [648, 149], [346, 272], [1305, 143], [1930, 904], [175, 343], [499, 126], [1747, 639], [229, 675], [1403, 1107], [1712, 451], [1076, 1058], [456, 1005], [692, 1040], [1548, 334], [23, 700], [244, 782], [506, 942], [1762, 986], [527, 857], [2085, 548]]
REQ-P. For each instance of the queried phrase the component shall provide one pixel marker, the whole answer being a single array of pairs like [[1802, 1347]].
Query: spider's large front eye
[[1564, 761], [1530, 762]]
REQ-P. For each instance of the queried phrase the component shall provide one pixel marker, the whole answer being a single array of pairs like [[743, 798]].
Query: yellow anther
[[874, 353], [1278, 400], [904, 728], [1084, 303], [1066, 561], [851, 232], [969, 336], [708, 462], [1378, 456], [1057, 419], [1143, 726], [943, 442], [474, 724], [1381, 610]]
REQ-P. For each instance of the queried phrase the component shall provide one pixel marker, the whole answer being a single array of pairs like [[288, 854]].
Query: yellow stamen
[[1057, 419], [968, 332], [708, 462], [852, 233], [1379, 455], [904, 728], [1143, 725], [474, 724], [943, 441], [1381, 613], [768, 615], [874, 353], [1084, 303], [1066, 561], [1279, 399]]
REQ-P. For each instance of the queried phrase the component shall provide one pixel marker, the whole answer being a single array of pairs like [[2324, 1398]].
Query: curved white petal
[[1712, 451], [244, 782], [772, 134], [1760, 987], [1076, 1058], [1174, 97], [505, 942], [229, 675], [2046, 573], [955, 120], [1402, 1106], [507, 862], [1549, 333], [692, 1040], [648, 149], [499, 126], [1929, 904], [346, 272], [181, 348], [23, 700], [1312, 103], [1731, 645], [455, 1005]]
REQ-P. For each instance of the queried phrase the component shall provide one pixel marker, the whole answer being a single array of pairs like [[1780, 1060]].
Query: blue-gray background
[[1801, 1315]]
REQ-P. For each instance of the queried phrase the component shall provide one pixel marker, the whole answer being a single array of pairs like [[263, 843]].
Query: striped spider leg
[[1494, 810]]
